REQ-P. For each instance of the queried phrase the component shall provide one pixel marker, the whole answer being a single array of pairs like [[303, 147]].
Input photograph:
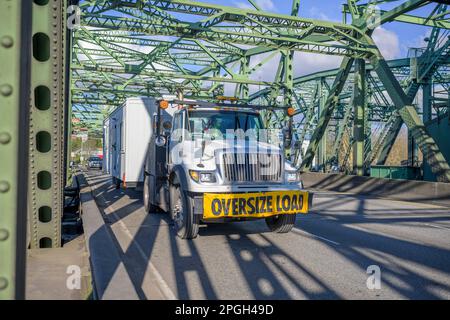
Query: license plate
[[254, 205]]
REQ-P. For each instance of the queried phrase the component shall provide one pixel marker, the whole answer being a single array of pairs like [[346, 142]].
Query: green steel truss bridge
[[89, 56]]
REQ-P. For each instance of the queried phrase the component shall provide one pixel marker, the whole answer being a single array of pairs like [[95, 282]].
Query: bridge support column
[[15, 40], [321, 157], [426, 116], [359, 90], [426, 101], [46, 163], [368, 136], [327, 112], [413, 150]]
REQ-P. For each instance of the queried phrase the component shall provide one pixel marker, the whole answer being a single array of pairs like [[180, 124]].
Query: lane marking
[[163, 286], [316, 236]]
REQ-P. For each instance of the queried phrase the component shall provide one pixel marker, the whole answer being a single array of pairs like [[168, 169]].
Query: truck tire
[[182, 213], [149, 207], [116, 183], [282, 223]]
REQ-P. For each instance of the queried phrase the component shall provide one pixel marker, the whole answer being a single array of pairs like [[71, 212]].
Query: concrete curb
[[110, 278], [404, 190]]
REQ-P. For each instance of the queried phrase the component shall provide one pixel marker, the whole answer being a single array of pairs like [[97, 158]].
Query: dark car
[[95, 163]]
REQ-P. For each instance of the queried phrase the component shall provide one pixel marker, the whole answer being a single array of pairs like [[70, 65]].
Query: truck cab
[[215, 164]]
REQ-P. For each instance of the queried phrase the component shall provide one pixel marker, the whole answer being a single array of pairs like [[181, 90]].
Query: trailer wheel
[[182, 213], [149, 207], [116, 183], [281, 223]]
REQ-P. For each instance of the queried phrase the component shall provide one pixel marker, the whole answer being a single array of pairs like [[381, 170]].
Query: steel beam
[[321, 157], [427, 115], [47, 125], [67, 96], [359, 106], [398, 11], [15, 40], [341, 128], [242, 26], [426, 66], [408, 114], [327, 112]]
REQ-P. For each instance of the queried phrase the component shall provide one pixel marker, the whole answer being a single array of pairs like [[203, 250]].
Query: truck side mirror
[[287, 137], [167, 125]]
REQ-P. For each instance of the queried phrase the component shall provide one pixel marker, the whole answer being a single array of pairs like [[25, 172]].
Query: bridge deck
[[326, 255]]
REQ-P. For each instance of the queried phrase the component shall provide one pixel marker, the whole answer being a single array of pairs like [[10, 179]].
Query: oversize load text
[[255, 204]]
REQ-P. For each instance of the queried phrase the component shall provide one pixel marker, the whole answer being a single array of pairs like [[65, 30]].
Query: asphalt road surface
[[326, 256]]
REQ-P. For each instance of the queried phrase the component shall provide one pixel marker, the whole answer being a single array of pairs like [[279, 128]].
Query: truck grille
[[256, 167]]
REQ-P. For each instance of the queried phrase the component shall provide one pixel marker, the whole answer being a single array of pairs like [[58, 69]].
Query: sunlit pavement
[[325, 257]]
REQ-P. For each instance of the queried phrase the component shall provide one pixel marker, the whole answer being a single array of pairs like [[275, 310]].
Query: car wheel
[[282, 223], [149, 207], [181, 210]]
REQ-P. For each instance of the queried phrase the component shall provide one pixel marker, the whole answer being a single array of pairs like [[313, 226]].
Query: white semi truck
[[209, 163]]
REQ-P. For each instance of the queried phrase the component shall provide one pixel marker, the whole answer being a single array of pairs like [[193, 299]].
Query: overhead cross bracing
[[125, 27], [156, 48]]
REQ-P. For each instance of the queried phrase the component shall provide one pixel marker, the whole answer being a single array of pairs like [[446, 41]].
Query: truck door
[[114, 158], [176, 138], [117, 151], [122, 151]]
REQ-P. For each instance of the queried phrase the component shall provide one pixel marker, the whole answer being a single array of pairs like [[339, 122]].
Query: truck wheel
[[149, 207], [282, 223], [116, 183], [182, 213]]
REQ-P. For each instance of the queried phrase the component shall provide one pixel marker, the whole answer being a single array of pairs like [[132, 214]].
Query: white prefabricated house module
[[127, 132]]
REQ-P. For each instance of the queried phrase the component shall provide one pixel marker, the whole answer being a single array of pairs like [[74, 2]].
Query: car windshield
[[94, 159], [203, 122]]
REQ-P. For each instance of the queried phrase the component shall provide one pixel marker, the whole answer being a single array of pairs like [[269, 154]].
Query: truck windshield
[[203, 122]]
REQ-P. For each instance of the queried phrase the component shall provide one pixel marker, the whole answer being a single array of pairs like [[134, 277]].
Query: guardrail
[[406, 190]]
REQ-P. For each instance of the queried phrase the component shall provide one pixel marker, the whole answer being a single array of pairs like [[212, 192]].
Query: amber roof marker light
[[225, 98], [290, 112], [164, 104]]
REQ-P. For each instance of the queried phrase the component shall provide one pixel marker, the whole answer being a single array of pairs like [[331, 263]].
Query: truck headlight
[[206, 177]]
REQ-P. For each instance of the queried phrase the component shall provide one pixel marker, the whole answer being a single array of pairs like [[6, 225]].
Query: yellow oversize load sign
[[254, 205]]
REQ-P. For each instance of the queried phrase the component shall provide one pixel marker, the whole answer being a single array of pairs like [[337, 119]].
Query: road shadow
[[256, 263]]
